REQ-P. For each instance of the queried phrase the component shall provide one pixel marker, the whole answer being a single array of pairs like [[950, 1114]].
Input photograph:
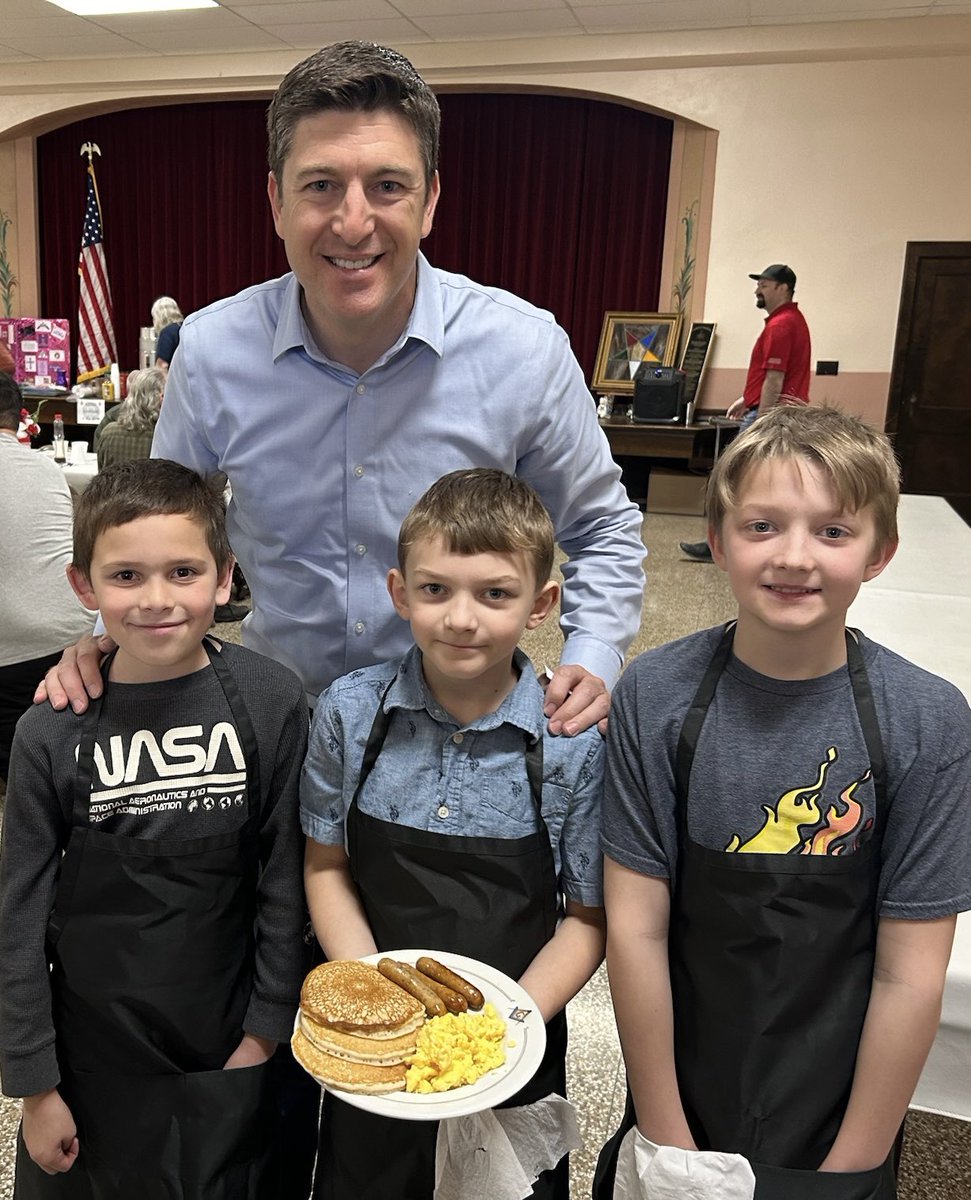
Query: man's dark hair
[[148, 487], [11, 402], [353, 77]]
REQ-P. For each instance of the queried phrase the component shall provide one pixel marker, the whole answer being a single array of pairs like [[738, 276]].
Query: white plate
[[522, 1059]]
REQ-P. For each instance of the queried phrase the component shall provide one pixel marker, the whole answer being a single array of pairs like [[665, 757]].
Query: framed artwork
[[694, 357], [629, 339]]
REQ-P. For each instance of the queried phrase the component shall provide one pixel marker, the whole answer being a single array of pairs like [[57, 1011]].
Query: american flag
[[96, 335]]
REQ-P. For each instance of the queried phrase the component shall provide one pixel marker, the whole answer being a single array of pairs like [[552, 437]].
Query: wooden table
[[696, 445]]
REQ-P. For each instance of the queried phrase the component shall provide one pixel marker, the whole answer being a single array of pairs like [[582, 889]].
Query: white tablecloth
[[79, 473], [921, 607]]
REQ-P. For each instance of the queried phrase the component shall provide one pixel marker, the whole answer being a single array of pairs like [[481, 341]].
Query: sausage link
[[454, 1001], [441, 974], [409, 979]]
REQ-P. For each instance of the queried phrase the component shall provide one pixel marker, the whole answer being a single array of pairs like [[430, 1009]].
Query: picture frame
[[628, 339], [694, 358]]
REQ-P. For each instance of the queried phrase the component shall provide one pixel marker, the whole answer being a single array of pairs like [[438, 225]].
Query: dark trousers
[[18, 682]]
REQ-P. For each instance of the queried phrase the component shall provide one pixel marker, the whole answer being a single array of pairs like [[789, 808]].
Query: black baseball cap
[[778, 273]]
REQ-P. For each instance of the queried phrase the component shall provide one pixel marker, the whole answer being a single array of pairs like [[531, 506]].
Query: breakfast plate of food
[[420, 1035]]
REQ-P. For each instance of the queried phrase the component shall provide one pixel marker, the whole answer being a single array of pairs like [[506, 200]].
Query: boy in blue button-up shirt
[[462, 707]]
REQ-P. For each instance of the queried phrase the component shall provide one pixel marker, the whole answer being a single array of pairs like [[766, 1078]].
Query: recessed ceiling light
[[96, 8]]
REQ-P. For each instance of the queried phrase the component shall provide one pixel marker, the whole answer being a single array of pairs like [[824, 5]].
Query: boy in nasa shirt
[[150, 889]]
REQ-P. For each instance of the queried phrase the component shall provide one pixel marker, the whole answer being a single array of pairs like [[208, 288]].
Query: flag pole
[[96, 335]]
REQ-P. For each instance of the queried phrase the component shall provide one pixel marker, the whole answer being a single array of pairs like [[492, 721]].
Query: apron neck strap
[[379, 731], [865, 708]]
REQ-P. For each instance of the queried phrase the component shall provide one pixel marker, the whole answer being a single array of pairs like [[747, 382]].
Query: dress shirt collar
[[426, 323], [523, 707]]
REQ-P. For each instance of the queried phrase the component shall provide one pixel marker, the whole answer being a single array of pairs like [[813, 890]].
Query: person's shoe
[[699, 551], [230, 612]]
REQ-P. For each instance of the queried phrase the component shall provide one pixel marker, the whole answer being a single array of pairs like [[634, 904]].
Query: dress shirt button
[[359, 627], [358, 471], [360, 389], [443, 811], [360, 548], [458, 738]]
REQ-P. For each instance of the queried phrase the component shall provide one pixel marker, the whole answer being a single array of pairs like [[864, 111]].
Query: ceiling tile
[[66, 25], [447, 8], [827, 10], [96, 44], [396, 31], [647, 17], [485, 25], [182, 40], [305, 12]]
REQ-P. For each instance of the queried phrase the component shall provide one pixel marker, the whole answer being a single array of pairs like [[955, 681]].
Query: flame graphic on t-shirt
[[794, 810], [835, 834], [802, 822]]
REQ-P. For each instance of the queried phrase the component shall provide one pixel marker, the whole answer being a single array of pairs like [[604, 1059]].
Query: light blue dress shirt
[[325, 464], [462, 780]]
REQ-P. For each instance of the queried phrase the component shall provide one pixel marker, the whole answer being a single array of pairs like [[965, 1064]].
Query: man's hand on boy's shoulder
[[77, 677], [50, 1135], [575, 700]]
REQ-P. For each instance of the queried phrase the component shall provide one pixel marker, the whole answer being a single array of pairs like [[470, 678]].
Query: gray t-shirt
[[782, 767]]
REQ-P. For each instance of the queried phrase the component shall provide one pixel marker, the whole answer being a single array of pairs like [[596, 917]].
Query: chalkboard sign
[[695, 357]]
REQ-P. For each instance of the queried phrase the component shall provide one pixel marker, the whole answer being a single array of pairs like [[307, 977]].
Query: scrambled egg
[[456, 1049]]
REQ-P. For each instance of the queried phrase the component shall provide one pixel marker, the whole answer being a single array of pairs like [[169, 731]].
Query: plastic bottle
[[60, 452]]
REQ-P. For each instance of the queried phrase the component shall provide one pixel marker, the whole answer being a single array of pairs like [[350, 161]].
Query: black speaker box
[[659, 395]]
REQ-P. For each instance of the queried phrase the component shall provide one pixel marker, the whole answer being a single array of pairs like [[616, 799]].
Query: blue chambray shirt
[[462, 780], [324, 464]]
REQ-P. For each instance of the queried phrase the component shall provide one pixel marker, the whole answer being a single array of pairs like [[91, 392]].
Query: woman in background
[[166, 322], [130, 434]]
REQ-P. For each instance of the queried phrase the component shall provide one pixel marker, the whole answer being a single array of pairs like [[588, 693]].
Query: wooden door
[[929, 412]]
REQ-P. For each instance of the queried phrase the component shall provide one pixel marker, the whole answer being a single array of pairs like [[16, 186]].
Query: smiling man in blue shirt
[[334, 396]]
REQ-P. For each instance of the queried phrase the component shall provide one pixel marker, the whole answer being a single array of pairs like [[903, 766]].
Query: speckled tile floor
[[681, 596]]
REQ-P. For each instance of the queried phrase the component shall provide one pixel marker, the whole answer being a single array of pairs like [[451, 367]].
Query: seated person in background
[[787, 840], [150, 905], [129, 435], [39, 613], [502, 824], [167, 320]]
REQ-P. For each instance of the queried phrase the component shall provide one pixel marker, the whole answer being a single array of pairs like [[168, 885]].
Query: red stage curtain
[[561, 200]]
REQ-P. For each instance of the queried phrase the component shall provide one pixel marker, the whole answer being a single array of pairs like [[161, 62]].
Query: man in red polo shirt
[[778, 372]]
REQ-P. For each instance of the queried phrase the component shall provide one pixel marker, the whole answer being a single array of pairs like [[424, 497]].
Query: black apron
[[494, 899], [151, 947], [771, 962]]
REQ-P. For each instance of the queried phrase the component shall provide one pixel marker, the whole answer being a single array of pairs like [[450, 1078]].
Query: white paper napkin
[[646, 1171], [500, 1153]]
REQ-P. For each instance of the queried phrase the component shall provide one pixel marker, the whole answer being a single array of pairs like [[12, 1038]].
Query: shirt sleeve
[[597, 526], [280, 910], [582, 870], [34, 831], [777, 346], [322, 811], [631, 835], [927, 846]]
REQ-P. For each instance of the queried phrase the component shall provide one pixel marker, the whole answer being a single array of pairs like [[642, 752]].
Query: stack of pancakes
[[356, 1028]]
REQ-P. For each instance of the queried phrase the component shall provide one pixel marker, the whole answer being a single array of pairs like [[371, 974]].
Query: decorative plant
[[28, 426], [682, 286], [8, 281]]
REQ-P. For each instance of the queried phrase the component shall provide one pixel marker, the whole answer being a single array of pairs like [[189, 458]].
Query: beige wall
[[836, 145]]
